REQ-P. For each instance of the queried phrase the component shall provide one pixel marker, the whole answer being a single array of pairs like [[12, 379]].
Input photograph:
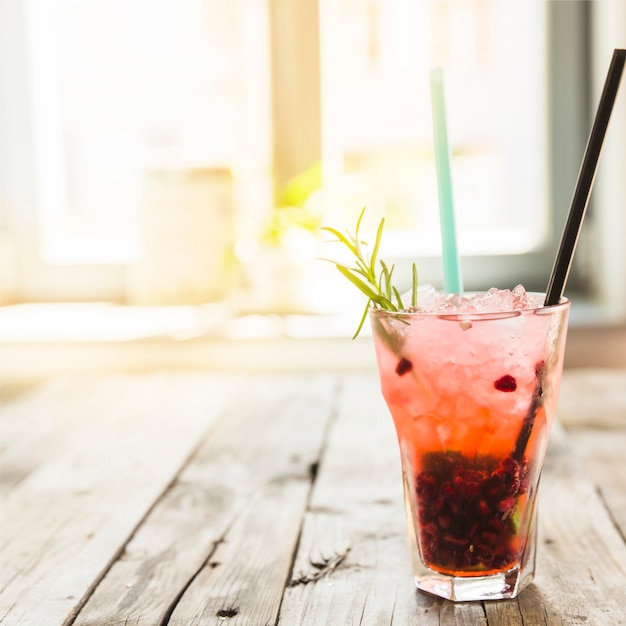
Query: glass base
[[498, 586], [464, 589]]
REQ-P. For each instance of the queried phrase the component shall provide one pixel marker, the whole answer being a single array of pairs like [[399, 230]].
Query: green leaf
[[357, 270], [382, 278], [363, 317], [386, 303], [379, 235], [350, 269], [342, 238], [358, 224], [414, 288], [389, 274], [364, 270], [378, 288], [357, 282], [398, 298]]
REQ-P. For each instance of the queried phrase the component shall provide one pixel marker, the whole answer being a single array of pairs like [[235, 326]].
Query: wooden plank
[[221, 541], [101, 469], [211, 546], [602, 453], [352, 565], [594, 398], [36, 425], [581, 557]]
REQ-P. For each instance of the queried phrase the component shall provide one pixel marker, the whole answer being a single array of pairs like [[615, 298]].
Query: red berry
[[463, 507], [404, 366], [506, 383], [483, 508]]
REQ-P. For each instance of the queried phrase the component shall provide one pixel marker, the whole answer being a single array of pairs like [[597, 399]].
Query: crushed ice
[[431, 300]]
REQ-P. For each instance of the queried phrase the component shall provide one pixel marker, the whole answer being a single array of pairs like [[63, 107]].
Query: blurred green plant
[[292, 210]]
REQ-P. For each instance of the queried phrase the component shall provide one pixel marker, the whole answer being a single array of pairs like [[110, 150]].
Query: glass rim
[[563, 304]]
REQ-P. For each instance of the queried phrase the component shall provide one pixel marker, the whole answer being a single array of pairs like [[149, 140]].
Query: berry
[[506, 383], [404, 366], [464, 506]]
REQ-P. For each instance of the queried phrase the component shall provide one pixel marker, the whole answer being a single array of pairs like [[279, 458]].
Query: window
[[145, 141], [604, 254], [494, 55], [148, 127]]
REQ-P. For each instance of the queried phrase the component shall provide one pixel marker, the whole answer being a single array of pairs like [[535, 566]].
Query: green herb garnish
[[376, 285]]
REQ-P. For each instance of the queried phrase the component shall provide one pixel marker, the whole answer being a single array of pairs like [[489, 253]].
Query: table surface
[[198, 498]]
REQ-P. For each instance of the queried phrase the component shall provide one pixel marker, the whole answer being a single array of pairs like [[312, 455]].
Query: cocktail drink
[[472, 385], [472, 388]]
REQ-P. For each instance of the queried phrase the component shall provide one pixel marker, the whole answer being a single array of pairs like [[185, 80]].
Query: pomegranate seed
[[489, 538], [404, 366], [445, 521], [506, 505], [463, 508], [483, 508], [457, 541], [505, 383]]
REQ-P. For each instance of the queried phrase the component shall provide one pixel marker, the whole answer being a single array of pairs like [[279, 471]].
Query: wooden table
[[193, 498]]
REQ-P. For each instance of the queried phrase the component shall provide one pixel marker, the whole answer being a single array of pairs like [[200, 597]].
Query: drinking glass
[[472, 396]]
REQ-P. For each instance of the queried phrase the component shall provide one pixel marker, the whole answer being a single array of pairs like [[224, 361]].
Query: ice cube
[[431, 300]]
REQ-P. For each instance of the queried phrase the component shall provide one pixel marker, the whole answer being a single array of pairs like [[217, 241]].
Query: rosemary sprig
[[377, 286]]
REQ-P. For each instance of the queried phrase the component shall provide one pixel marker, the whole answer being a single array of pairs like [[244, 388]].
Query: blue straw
[[452, 280]]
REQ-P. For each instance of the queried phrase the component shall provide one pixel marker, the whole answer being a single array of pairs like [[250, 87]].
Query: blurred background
[[166, 166]]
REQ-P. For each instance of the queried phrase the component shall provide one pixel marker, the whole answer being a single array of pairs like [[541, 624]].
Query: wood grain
[[602, 456], [354, 533], [100, 456], [197, 499], [593, 398], [581, 557], [222, 538]]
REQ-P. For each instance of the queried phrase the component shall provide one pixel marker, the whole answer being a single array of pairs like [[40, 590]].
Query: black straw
[[577, 210], [586, 176]]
